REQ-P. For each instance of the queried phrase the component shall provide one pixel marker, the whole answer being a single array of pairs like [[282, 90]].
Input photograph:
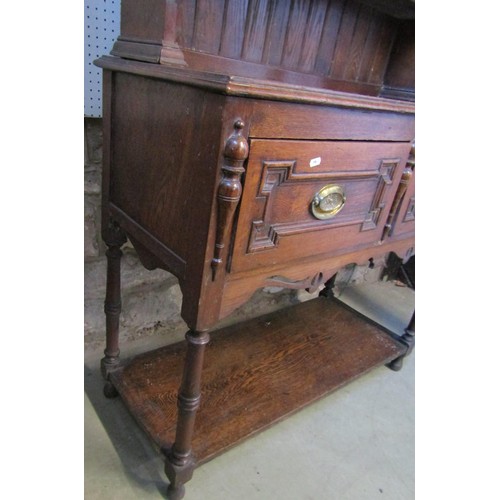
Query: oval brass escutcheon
[[328, 201]]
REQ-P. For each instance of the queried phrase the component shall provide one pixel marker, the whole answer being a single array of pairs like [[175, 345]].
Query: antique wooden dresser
[[254, 143]]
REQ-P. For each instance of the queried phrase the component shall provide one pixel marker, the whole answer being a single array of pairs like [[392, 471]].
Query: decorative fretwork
[[311, 283]]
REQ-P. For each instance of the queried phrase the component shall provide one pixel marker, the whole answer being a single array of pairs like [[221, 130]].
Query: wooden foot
[[178, 476], [114, 238], [179, 464], [407, 338], [110, 391], [175, 493]]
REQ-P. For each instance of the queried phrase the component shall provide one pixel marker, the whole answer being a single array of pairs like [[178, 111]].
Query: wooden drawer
[[276, 223]]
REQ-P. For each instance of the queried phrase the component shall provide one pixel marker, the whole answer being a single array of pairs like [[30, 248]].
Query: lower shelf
[[256, 373]]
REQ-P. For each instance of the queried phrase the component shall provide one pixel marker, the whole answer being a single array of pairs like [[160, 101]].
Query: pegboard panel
[[102, 27]]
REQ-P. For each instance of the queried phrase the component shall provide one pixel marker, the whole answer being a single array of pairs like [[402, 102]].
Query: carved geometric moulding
[[386, 174]]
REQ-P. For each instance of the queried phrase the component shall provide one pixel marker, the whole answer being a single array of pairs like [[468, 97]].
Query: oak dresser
[[251, 144]]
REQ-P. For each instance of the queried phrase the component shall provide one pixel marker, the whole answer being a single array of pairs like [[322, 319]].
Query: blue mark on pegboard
[[102, 27]]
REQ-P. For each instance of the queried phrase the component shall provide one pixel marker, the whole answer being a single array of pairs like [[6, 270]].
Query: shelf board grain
[[256, 373]]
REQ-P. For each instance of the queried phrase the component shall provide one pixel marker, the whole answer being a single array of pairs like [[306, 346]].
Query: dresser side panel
[[165, 145]]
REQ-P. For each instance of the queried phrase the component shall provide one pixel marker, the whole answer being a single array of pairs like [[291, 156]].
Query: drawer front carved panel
[[276, 222]]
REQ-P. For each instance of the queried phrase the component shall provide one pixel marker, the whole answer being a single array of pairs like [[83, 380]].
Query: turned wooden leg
[[179, 464], [328, 290], [115, 238], [407, 338]]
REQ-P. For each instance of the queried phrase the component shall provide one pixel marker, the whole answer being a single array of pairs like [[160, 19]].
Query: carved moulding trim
[[241, 286], [273, 174], [410, 211], [260, 239], [265, 235], [386, 173]]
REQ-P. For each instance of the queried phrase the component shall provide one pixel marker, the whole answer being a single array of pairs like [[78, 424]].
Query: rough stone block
[[91, 231], [93, 141], [150, 299]]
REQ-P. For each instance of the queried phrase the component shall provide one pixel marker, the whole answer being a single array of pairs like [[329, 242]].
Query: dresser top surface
[[255, 88]]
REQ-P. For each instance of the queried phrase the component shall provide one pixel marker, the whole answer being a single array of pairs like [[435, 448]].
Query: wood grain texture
[[379, 61], [164, 168], [142, 24], [282, 120], [345, 35], [208, 25], [185, 26], [369, 50], [233, 31], [256, 23], [279, 13], [270, 100], [275, 222], [156, 132], [215, 72], [329, 35], [241, 286], [149, 168], [337, 40], [229, 192], [294, 41], [312, 36], [358, 42], [274, 365]]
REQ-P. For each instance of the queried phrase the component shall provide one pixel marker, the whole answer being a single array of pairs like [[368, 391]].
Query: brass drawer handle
[[328, 201]]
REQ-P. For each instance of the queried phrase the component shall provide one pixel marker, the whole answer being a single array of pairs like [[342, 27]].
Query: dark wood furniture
[[248, 144]]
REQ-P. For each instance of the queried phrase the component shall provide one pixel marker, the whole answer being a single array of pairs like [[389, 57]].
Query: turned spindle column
[[179, 464], [114, 238], [229, 191]]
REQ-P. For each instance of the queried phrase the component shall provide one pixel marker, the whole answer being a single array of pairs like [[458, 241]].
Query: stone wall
[[151, 300]]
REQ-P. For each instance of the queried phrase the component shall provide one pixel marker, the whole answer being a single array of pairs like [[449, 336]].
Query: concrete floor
[[356, 444]]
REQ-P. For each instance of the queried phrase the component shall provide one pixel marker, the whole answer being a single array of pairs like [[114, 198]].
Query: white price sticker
[[315, 162]]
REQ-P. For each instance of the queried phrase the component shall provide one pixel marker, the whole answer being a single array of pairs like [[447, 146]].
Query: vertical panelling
[[353, 62], [208, 25], [276, 32], [344, 39], [329, 37], [233, 31], [341, 39], [299, 12], [253, 45], [185, 23], [370, 48], [385, 40], [312, 37]]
